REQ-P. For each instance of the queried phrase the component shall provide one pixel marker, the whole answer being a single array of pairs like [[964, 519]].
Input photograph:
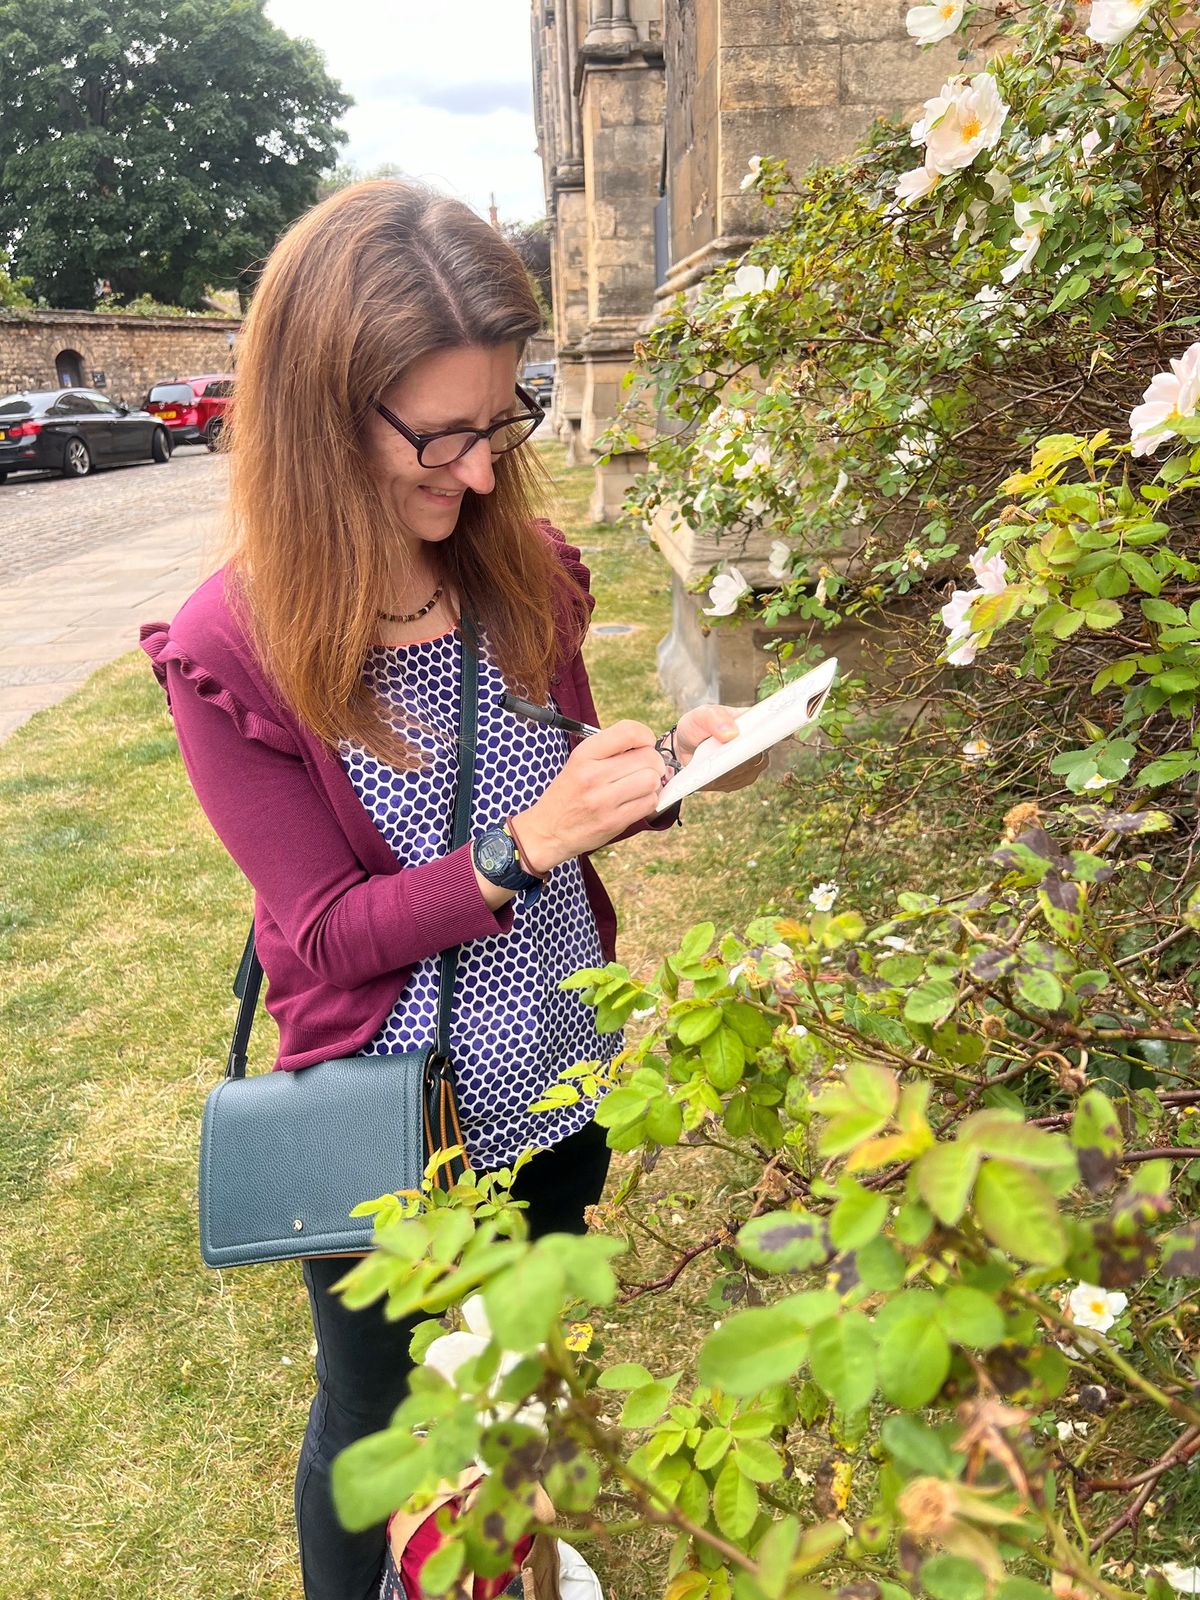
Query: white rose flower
[[1171, 395], [990, 571], [1112, 21], [976, 750], [1071, 1430], [752, 176], [1097, 782], [1089, 145], [965, 118], [961, 653], [915, 185], [975, 218], [1184, 1580], [727, 589], [839, 489], [781, 560], [1092, 1307], [927, 24], [819, 593], [823, 896], [758, 459], [751, 280]]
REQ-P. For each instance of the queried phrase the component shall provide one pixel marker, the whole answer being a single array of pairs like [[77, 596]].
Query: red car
[[193, 409]]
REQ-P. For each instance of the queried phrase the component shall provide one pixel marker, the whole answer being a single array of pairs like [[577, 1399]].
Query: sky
[[442, 90]]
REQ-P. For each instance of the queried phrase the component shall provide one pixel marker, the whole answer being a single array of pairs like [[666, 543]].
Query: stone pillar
[[781, 78], [621, 101]]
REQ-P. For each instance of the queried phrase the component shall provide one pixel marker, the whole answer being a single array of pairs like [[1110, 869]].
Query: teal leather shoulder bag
[[286, 1156]]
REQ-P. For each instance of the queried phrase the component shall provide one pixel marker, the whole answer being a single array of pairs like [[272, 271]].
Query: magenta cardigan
[[339, 924]]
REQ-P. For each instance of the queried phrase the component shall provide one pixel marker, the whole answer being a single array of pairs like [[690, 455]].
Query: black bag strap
[[248, 982]]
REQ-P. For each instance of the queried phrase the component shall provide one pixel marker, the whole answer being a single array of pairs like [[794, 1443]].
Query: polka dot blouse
[[512, 1029]]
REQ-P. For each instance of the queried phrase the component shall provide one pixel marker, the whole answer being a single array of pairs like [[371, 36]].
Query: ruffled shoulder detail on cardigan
[[155, 639]]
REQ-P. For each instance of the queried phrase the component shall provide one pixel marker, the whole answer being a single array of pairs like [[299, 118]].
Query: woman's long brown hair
[[366, 283]]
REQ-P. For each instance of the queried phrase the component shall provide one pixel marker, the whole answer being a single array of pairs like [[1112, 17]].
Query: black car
[[538, 378], [73, 430]]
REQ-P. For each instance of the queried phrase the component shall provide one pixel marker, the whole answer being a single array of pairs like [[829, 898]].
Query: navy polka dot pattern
[[513, 1029]]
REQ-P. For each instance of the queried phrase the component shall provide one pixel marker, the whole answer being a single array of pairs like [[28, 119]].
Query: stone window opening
[[68, 368]]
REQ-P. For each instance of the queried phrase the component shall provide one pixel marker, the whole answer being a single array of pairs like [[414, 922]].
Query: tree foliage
[[158, 148]]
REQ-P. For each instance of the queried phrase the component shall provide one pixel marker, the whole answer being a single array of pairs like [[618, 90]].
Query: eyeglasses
[[443, 449]]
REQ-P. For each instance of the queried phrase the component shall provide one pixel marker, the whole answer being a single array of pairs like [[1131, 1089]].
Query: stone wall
[[123, 355], [794, 79]]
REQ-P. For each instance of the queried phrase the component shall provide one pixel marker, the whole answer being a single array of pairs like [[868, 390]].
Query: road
[[45, 519], [84, 561]]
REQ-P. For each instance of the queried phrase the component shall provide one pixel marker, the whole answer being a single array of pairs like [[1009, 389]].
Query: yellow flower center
[[1097, 1307], [946, 11], [970, 128]]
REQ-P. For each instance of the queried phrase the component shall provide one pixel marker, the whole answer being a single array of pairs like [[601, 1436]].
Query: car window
[[74, 405], [15, 406], [171, 394], [104, 406], [221, 390]]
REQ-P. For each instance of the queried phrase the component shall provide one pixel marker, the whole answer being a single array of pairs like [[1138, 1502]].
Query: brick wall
[[131, 352]]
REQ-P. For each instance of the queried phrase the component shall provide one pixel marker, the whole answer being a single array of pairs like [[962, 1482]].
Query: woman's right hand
[[611, 780]]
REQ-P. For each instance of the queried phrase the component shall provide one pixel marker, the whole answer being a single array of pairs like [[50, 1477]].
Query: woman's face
[[471, 387]]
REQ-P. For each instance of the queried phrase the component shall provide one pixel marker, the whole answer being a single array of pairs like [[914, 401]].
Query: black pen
[[544, 714]]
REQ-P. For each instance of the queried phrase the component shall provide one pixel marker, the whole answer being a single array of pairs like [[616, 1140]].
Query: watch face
[[494, 852]]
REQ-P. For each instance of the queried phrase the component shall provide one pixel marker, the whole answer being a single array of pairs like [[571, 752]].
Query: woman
[[379, 488]]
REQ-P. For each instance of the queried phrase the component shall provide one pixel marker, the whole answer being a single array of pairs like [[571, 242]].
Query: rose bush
[[953, 1271]]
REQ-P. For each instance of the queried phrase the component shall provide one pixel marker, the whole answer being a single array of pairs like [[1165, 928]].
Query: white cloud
[[444, 92]]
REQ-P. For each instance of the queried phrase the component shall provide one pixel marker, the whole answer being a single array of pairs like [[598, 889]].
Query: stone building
[[648, 112], [123, 355]]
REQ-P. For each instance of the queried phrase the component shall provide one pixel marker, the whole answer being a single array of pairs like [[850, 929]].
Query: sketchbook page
[[759, 727]]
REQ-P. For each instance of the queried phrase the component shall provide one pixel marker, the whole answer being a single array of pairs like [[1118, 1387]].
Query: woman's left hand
[[715, 722]]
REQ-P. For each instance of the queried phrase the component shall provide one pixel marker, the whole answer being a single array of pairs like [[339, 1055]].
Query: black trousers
[[363, 1366]]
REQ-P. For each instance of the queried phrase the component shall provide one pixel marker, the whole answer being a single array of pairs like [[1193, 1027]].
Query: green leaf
[[1168, 768], [724, 1057], [1096, 1135], [645, 1405], [439, 1570], [952, 1578], [970, 1317], [858, 1216], [784, 1241], [945, 1175], [1140, 570], [1103, 614], [932, 1002], [914, 1361], [753, 1349], [696, 943], [735, 1502], [627, 1375], [713, 1447], [523, 1302], [917, 1450], [757, 1460], [1039, 988], [697, 1023], [842, 1359], [774, 1556], [1017, 1212]]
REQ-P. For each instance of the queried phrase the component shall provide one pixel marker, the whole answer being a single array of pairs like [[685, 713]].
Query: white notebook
[[787, 711]]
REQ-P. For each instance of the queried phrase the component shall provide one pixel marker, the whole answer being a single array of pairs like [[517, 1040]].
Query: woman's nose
[[475, 469]]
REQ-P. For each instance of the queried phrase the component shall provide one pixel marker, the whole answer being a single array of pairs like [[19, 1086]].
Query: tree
[[161, 147], [13, 291], [531, 241]]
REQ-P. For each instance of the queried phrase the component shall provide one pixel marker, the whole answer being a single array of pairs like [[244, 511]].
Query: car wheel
[[3, 474], [213, 437], [77, 459], [160, 445]]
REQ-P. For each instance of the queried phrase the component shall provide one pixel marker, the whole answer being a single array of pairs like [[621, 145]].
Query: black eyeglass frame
[[420, 441]]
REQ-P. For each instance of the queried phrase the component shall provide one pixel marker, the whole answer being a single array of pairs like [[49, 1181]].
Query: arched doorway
[[68, 368]]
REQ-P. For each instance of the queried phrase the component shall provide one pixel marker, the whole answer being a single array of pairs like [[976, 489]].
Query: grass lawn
[[152, 1408]]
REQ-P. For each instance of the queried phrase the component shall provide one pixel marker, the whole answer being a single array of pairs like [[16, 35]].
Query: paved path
[[77, 586]]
